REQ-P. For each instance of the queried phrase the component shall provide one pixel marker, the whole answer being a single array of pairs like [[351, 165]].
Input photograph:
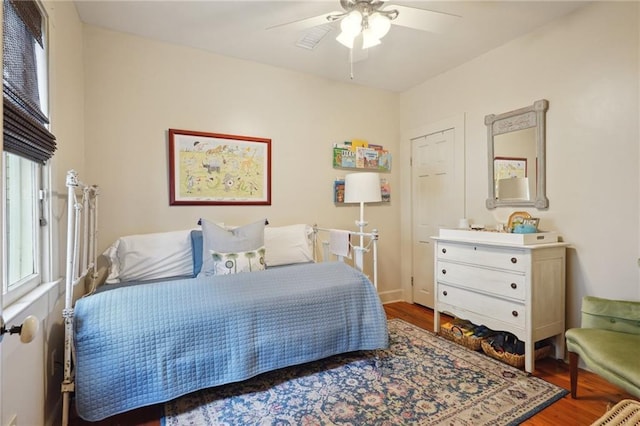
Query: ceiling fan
[[372, 19]]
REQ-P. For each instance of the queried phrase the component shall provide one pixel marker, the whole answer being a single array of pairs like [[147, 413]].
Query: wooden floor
[[595, 395]]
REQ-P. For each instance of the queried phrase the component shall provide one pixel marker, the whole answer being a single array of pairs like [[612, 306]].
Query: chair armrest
[[606, 314]]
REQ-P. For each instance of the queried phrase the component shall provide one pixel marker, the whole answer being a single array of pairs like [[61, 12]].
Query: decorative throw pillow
[[234, 263], [196, 251], [223, 240]]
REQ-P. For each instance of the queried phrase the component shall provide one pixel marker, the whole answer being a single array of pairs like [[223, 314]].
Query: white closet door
[[436, 200]]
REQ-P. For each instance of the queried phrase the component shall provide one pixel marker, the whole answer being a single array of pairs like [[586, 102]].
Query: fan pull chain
[[351, 63]]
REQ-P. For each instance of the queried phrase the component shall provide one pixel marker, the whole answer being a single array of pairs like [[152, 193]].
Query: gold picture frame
[[516, 218]]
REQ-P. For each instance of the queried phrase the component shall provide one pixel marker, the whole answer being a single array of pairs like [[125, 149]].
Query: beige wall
[[137, 89], [32, 374], [586, 65]]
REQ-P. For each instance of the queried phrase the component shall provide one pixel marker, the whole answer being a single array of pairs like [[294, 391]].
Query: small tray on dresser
[[499, 237]]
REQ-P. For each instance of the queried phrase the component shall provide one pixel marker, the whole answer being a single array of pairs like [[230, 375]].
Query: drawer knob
[[514, 286], [514, 260], [514, 313], [444, 293], [444, 250], [444, 272]]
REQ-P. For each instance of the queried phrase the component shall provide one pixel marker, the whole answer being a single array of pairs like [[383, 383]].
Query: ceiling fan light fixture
[[369, 39], [346, 39], [352, 23], [379, 24]]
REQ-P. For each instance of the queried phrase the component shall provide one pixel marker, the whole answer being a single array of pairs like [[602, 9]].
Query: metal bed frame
[[368, 242], [82, 212]]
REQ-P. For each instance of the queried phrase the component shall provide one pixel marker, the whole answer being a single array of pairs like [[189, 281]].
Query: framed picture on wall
[[218, 169]]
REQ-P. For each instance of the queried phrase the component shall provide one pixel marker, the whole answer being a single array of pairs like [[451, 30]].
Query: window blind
[[25, 125]]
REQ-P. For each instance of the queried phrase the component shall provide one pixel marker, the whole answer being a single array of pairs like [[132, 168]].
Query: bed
[[170, 322]]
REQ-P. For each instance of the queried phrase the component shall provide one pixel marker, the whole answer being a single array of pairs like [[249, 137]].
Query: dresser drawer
[[494, 257], [499, 309], [502, 283]]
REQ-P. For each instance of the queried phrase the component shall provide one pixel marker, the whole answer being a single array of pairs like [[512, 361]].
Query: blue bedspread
[[150, 343]]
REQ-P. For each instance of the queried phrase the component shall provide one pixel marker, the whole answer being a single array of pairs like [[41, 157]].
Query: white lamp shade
[[379, 25], [362, 188], [514, 188], [369, 39]]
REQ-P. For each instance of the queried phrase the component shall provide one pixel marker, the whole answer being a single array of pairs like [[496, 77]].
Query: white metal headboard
[[368, 242], [82, 233]]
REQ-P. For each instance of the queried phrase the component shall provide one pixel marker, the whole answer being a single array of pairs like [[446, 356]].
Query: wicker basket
[[514, 360], [449, 332], [625, 412]]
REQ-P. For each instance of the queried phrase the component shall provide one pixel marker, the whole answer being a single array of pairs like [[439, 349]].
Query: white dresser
[[506, 287]]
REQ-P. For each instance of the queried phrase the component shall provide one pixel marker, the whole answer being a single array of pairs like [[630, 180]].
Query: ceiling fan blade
[[305, 23], [422, 19]]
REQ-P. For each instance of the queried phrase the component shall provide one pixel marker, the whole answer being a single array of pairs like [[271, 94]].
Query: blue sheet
[[150, 343]]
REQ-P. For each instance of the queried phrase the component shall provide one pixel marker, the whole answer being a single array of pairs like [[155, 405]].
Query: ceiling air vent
[[313, 36]]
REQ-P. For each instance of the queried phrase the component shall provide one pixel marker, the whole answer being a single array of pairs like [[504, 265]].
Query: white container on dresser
[[519, 288]]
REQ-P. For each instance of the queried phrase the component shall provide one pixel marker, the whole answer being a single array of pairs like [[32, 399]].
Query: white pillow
[[150, 256], [235, 263], [288, 244], [224, 240]]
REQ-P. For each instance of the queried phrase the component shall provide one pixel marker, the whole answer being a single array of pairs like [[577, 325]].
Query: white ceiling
[[405, 58]]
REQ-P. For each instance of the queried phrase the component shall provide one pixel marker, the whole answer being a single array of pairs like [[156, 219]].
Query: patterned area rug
[[421, 379]]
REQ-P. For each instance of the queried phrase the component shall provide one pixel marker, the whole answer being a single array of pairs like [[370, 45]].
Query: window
[[21, 230], [28, 146]]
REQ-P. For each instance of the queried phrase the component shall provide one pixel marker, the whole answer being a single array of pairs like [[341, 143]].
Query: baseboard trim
[[391, 296]]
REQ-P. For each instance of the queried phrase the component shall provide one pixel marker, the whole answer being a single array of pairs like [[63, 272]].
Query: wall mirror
[[516, 157]]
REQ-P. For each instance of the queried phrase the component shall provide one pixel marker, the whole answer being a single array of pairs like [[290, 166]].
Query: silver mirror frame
[[519, 119]]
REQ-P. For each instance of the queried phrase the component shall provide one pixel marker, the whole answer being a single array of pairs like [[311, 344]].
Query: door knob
[[27, 330]]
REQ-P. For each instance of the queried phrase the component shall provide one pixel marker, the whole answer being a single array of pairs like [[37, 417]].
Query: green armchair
[[608, 341]]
